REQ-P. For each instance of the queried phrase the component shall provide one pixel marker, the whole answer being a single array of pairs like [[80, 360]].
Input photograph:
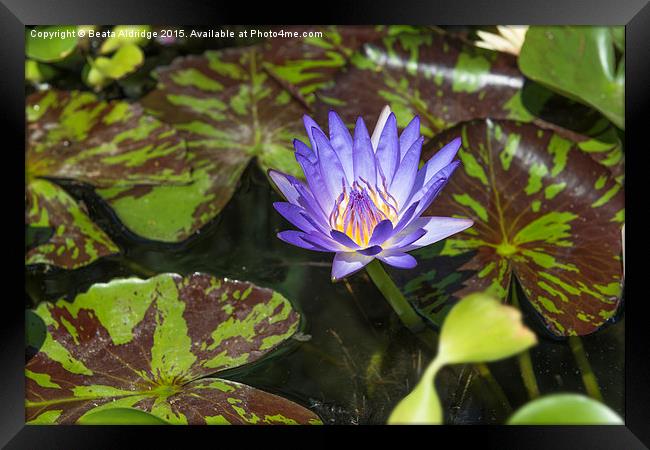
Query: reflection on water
[[352, 361]]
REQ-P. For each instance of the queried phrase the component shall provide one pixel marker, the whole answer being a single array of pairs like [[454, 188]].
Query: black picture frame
[[634, 14]]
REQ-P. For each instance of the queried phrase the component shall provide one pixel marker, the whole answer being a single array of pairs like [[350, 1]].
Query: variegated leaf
[[310, 63], [74, 136], [445, 81], [148, 344], [75, 241], [231, 105], [543, 210]]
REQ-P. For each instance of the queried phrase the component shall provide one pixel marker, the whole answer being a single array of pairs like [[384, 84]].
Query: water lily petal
[[383, 230], [363, 157], [437, 228], [441, 159], [285, 186], [379, 127], [347, 263], [341, 140], [397, 259], [406, 217], [371, 251], [330, 165], [303, 149], [428, 193], [343, 239], [324, 241], [402, 184], [297, 216], [409, 135], [440, 180], [296, 238], [316, 183], [405, 238], [388, 149], [310, 124]]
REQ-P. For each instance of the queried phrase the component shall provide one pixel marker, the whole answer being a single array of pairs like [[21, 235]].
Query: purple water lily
[[364, 195]]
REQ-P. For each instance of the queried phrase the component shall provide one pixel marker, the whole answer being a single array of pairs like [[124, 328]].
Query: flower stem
[[588, 376], [484, 372], [397, 301], [524, 359]]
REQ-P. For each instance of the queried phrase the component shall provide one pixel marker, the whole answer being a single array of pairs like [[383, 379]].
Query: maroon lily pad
[[150, 344], [543, 211]]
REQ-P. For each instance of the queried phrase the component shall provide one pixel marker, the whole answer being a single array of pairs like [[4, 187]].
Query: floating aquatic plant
[[364, 195], [158, 346]]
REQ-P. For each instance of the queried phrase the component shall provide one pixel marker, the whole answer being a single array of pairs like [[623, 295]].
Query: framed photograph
[[404, 214]]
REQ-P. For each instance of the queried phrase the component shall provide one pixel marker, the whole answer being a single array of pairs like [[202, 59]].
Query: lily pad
[[150, 344], [123, 35], [542, 210], [231, 105], [104, 70], [579, 62], [73, 136], [310, 63], [53, 44], [446, 80], [76, 241], [565, 409]]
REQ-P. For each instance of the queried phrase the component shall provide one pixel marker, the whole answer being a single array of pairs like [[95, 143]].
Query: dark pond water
[[352, 361]]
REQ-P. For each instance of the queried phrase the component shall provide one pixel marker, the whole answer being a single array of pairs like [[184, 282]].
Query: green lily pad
[[73, 136], [565, 409], [104, 70], [231, 105], [37, 72], [56, 45], [150, 344], [446, 81], [121, 416], [579, 62], [76, 241], [124, 35], [543, 210]]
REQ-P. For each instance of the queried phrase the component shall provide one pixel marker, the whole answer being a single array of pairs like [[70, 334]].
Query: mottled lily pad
[[73, 136], [76, 240], [231, 105], [446, 80], [307, 64], [149, 344], [543, 211]]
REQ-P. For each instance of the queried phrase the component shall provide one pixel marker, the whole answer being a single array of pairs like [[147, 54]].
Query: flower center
[[357, 212]]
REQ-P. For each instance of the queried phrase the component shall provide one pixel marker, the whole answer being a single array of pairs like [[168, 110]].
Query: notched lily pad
[[149, 344], [73, 136], [543, 210]]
